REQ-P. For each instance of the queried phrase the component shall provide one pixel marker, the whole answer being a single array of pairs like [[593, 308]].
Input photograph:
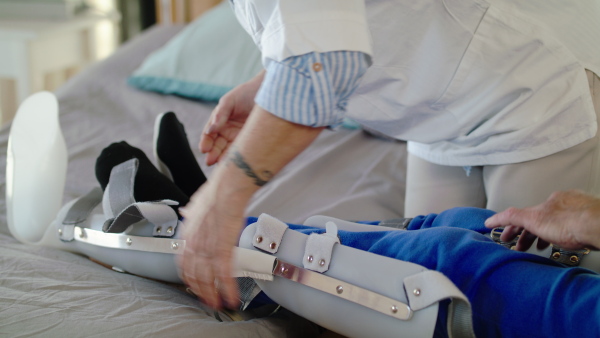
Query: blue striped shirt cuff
[[312, 89]]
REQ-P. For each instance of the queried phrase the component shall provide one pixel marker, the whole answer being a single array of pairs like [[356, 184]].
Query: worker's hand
[[211, 229], [569, 219], [214, 216], [227, 119]]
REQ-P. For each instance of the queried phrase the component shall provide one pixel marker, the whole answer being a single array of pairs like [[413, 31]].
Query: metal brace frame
[[128, 242], [350, 292]]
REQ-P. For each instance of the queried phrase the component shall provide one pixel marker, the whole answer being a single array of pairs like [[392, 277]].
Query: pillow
[[204, 61]]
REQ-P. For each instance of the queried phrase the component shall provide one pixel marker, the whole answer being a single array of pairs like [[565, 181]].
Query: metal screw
[[169, 230], [417, 292], [339, 289], [258, 239], [175, 245], [128, 241], [394, 309], [309, 259], [82, 234], [322, 262], [273, 245]]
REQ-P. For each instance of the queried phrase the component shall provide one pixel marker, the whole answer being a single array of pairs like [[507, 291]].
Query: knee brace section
[[396, 298]]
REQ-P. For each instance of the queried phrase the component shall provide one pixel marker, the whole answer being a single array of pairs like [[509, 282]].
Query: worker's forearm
[[264, 146]]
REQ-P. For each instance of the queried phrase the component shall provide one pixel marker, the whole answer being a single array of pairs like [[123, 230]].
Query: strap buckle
[[568, 257], [495, 235]]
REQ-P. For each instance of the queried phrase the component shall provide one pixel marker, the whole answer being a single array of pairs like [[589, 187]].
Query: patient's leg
[[512, 293]]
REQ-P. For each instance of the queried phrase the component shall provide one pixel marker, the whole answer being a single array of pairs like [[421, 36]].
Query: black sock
[[173, 150], [149, 183]]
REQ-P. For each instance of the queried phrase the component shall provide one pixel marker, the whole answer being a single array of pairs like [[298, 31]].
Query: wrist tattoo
[[239, 161]]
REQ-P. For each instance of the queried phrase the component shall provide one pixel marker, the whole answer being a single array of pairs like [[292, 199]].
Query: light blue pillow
[[204, 61]]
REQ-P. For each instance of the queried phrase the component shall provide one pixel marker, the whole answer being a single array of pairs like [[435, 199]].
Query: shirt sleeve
[[312, 89]]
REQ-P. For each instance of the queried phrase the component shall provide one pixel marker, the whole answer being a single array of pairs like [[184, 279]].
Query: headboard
[[181, 11]]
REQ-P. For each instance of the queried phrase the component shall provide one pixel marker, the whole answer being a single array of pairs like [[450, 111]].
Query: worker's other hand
[[569, 219], [211, 229], [227, 119]]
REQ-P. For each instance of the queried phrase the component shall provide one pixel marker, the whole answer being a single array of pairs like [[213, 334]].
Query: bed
[[346, 173]]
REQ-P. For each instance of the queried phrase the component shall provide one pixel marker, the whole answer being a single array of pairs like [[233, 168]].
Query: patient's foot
[[174, 155], [149, 184]]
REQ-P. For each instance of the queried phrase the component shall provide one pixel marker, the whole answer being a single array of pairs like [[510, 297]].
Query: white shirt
[[466, 81], [284, 28]]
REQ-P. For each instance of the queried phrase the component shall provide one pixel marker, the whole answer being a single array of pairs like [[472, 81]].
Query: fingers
[[510, 233], [516, 221], [220, 146], [227, 286], [216, 143], [199, 277], [198, 273], [542, 244], [525, 241], [220, 115], [206, 264], [216, 123], [510, 216]]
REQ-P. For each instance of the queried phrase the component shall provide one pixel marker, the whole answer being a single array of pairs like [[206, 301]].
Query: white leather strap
[[254, 264], [159, 213], [121, 209], [318, 249], [118, 194], [269, 232], [78, 213]]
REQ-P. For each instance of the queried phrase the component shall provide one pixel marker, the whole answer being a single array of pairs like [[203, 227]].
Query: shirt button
[[317, 66]]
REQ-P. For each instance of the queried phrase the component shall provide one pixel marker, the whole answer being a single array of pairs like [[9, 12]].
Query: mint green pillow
[[204, 61]]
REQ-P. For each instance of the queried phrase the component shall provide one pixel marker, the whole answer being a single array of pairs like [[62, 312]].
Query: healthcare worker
[[493, 97]]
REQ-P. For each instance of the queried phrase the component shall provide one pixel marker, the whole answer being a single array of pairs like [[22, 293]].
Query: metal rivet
[[309, 259], [417, 292], [258, 239], [60, 232], [322, 262], [175, 245], [394, 309], [556, 255], [273, 245], [284, 269], [82, 234], [159, 229], [128, 241], [339, 289], [169, 230], [574, 259]]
